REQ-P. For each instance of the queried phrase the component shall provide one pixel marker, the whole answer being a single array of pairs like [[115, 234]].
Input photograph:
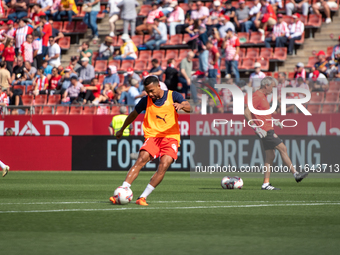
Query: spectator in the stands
[[45, 33], [299, 71], [20, 34], [8, 54], [18, 74], [335, 49], [326, 6], [225, 26], [254, 10], [10, 29], [74, 66], [65, 81], [282, 82], [317, 82], [256, 77], [128, 14], [55, 32], [72, 93], [241, 16], [213, 59], [3, 8], [5, 76], [54, 52], [159, 35], [301, 84], [175, 18], [106, 96], [332, 70], [167, 6], [202, 12], [276, 4], [296, 5], [266, 17], [55, 7], [90, 18], [133, 96], [30, 72], [215, 13], [35, 14], [67, 7], [46, 6], [21, 9], [54, 80], [86, 73], [15, 100], [128, 50], [171, 75], [185, 74], [26, 49], [296, 30], [230, 10], [129, 75], [40, 83], [37, 50], [203, 52], [232, 48], [85, 52], [322, 64], [280, 33], [92, 91], [112, 77], [106, 49], [156, 69], [194, 30], [155, 13], [113, 11], [47, 68]]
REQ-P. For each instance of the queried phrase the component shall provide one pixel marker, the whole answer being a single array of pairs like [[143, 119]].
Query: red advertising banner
[[66, 125], [37, 153]]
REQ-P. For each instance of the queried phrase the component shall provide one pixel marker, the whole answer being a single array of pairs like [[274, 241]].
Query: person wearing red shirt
[[213, 58], [92, 91], [265, 17], [46, 32], [155, 13], [35, 14], [53, 83], [8, 54], [263, 126]]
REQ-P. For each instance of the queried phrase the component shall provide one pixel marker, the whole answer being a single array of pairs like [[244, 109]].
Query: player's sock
[[126, 184], [265, 185], [147, 191], [2, 165]]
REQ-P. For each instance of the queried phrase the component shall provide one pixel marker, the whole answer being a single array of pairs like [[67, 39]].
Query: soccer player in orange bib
[[161, 132], [263, 127]]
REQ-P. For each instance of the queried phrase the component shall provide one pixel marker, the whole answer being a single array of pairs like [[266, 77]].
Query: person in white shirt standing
[[54, 51], [296, 30], [159, 35], [256, 77], [280, 33], [175, 18], [113, 14]]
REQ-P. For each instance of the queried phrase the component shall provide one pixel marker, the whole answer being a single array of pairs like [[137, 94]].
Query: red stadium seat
[[89, 110], [301, 41], [312, 61], [27, 99], [280, 53], [313, 108], [101, 78], [58, 25], [126, 64], [253, 52], [118, 43], [65, 42], [171, 54], [334, 86], [291, 75], [314, 20], [21, 87], [29, 89], [183, 54], [317, 97], [158, 54], [101, 66], [40, 100], [37, 110], [268, 73], [74, 110], [47, 110], [121, 79], [247, 63], [54, 99], [175, 40], [329, 51], [276, 75], [264, 63], [81, 27], [146, 38], [266, 53], [243, 37], [140, 65], [328, 108], [288, 19], [186, 38], [144, 10], [115, 63], [145, 55], [332, 97], [68, 27], [116, 110], [242, 52], [62, 110], [255, 38], [81, 13], [94, 56], [137, 40], [249, 4], [223, 66]]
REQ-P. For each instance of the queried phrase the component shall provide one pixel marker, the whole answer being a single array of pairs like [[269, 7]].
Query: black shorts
[[271, 140]]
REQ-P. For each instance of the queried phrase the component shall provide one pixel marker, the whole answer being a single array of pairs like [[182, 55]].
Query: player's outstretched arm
[[132, 116], [185, 106]]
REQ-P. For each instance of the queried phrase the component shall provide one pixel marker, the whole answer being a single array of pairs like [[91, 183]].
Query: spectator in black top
[[21, 7], [15, 100], [18, 72], [171, 75], [230, 11], [156, 69]]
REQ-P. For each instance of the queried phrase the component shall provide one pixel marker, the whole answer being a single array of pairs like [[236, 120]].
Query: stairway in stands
[[321, 41]]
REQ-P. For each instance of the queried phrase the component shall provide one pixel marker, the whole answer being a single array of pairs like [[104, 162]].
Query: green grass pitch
[[69, 213]]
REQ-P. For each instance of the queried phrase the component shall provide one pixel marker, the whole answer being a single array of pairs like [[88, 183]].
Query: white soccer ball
[[237, 182], [123, 195], [225, 183]]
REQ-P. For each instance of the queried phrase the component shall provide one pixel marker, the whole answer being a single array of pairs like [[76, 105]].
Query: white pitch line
[[166, 208], [160, 202]]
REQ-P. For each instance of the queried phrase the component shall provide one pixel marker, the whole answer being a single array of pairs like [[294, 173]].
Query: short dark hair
[[209, 42], [43, 17], [156, 19], [2, 64], [155, 60], [28, 36], [87, 43], [94, 78], [44, 62], [36, 33], [169, 60], [283, 74], [151, 79], [51, 37]]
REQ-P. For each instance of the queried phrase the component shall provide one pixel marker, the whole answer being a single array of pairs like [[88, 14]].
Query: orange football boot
[[141, 201]]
